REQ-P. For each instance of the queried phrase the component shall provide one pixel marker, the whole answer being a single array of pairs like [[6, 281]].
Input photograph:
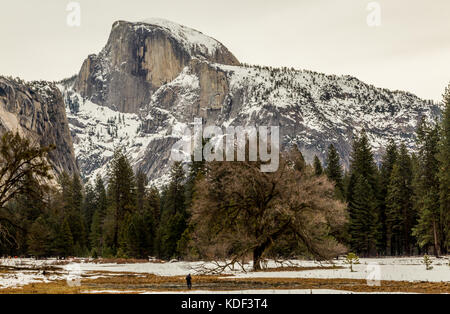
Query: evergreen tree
[[362, 192], [96, 236], [89, 205], [299, 160], [137, 235], [195, 174], [400, 216], [71, 198], [122, 191], [444, 175], [141, 184], [39, 238], [154, 201], [175, 198], [363, 227], [318, 170], [389, 159], [196, 171], [427, 230], [140, 230], [65, 195], [67, 239], [387, 165], [334, 170], [76, 219], [101, 201], [174, 215], [77, 194], [362, 161]]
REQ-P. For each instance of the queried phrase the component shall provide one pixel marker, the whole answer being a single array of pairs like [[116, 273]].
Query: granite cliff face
[[37, 111], [156, 76], [139, 58]]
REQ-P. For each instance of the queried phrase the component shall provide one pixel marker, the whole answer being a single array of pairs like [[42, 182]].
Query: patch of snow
[[160, 269], [394, 269], [391, 269]]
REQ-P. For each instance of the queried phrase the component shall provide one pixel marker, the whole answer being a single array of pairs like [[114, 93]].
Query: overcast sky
[[409, 51]]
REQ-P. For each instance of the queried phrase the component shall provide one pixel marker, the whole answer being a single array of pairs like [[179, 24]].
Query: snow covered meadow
[[22, 272]]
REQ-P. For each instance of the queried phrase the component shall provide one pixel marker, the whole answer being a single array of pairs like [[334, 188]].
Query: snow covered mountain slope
[[156, 75]]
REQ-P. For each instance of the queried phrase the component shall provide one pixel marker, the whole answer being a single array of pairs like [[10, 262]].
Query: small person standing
[[189, 281]]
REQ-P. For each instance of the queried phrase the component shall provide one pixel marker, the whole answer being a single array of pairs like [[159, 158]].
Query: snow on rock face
[[97, 131], [157, 74], [192, 40], [315, 110]]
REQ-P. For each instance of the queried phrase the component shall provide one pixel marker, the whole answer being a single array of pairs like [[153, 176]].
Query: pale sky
[[409, 51]]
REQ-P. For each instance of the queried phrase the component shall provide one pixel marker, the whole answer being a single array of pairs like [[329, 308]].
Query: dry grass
[[56, 287], [6, 269], [136, 283], [355, 285]]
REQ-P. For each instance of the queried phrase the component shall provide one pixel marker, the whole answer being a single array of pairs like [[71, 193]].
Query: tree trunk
[[437, 252], [389, 244], [257, 254], [406, 236]]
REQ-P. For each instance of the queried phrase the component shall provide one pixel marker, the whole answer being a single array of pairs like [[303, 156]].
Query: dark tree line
[[401, 206], [118, 217]]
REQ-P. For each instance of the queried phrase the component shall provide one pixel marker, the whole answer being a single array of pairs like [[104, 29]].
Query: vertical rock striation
[[36, 110]]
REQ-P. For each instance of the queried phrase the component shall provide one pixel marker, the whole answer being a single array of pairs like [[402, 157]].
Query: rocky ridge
[[37, 111], [156, 76]]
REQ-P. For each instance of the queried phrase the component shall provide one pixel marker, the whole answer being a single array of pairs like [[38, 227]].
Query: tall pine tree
[[387, 165], [318, 170], [174, 214], [96, 235], [400, 217], [363, 226], [427, 231], [444, 175], [362, 192], [122, 192], [334, 170]]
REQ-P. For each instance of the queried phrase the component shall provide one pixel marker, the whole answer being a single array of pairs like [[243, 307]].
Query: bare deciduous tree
[[242, 211]]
